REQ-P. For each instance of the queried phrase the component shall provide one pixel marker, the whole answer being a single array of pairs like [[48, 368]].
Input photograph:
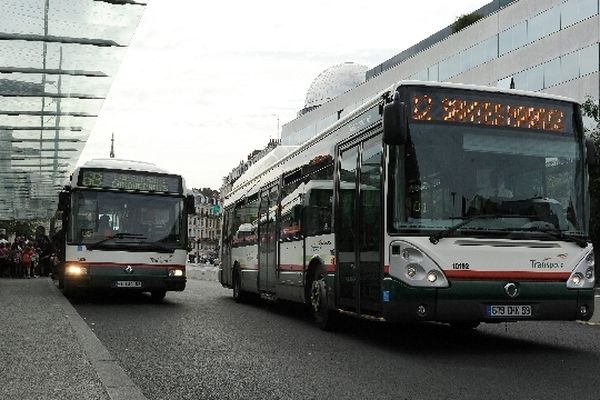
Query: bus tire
[[157, 296], [325, 318], [239, 296]]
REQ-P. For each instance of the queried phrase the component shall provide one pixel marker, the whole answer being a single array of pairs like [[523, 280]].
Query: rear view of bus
[[125, 228], [486, 207]]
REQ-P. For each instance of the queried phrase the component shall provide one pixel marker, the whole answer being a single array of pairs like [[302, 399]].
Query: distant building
[[243, 166], [204, 228]]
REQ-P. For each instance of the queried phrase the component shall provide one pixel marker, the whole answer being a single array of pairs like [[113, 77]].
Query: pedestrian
[[15, 260], [35, 261], [4, 269], [26, 262], [46, 251]]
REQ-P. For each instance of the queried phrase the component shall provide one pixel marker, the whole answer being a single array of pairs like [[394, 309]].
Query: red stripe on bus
[[249, 268], [112, 264], [330, 268], [386, 269], [291, 267], [502, 275]]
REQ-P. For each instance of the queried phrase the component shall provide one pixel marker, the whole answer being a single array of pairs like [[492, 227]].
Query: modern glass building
[[58, 59], [550, 46]]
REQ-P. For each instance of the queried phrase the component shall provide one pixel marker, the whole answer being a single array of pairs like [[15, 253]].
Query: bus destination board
[[492, 110], [130, 180]]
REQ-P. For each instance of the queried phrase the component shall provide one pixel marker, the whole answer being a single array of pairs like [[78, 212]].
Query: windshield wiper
[[556, 234], [120, 235], [435, 238]]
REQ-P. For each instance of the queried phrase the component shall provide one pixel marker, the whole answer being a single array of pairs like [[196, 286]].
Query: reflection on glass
[[133, 220], [450, 178]]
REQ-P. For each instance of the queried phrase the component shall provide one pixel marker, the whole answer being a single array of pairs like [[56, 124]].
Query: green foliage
[[19, 228], [590, 109], [465, 20]]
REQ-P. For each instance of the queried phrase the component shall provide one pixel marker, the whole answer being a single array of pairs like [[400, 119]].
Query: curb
[[115, 380]]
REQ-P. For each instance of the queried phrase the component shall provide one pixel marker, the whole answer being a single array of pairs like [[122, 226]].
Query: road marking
[[115, 380]]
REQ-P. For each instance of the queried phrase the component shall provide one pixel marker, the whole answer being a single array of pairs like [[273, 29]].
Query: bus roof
[[115, 163], [276, 157], [488, 89]]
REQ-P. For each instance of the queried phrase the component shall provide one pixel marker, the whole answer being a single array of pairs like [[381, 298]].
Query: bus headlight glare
[[576, 278], [589, 273], [175, 272], [76, 270]]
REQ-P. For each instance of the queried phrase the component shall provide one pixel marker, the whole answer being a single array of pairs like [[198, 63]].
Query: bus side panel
[[247, 259], [290, 283]]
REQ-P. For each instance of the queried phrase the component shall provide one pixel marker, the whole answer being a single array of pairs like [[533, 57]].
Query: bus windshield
[[502, 179], [127, 220]]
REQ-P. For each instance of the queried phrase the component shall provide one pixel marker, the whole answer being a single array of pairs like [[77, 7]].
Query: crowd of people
[[26, 257]]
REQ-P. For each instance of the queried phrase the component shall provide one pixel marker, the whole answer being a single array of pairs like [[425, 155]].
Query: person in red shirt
[[26, 262]]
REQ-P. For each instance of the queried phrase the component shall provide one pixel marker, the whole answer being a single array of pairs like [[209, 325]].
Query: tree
[[19, 228], [465, 20]]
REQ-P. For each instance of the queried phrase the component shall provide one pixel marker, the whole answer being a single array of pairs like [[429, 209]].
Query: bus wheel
[[157, 295], [464, 325], [325, 318], [239, 296]]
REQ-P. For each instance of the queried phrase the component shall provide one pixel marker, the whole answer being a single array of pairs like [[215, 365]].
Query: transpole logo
[[547, 263]]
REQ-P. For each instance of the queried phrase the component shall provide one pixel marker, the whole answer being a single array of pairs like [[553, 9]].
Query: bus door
[[267, 240], [358, 227]]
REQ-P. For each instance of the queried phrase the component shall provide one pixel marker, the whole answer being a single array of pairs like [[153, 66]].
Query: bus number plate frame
[[128, 284], [510, 311]]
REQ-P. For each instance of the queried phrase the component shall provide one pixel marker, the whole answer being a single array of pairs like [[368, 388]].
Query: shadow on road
[[112, 297], [426, 337]]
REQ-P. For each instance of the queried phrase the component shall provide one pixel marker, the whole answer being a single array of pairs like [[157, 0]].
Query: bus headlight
[[582, 276], [75, 270], [413, 267], [175, 272]]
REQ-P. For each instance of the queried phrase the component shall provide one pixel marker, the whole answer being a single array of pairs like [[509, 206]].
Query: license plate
[[128, 284], [503, 311]]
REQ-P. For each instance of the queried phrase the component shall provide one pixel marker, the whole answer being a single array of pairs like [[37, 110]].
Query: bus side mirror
[[395, 122], [592, 155], [64, 201], [190, 204]]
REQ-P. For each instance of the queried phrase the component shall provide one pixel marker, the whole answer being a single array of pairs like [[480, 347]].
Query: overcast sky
[[204, 81]]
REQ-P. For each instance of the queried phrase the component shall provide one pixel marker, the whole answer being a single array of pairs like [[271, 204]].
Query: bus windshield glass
[[499, 179], [118, 220]]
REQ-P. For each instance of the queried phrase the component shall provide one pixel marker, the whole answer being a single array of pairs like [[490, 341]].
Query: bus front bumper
[[140, 283], [481, 301]]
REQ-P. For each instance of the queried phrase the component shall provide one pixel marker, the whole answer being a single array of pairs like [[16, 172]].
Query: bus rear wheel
[[325, 318]]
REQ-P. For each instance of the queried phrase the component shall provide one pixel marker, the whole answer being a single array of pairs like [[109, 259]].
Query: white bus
[[124, 227], [433, 202]]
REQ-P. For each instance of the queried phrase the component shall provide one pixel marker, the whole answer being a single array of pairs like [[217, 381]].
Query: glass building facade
[[58, 59]]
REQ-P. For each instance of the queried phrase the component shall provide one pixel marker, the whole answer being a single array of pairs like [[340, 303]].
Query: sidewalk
[[47, 351]]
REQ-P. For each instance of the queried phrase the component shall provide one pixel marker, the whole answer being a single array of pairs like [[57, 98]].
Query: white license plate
[[503, 311], [128, 284]]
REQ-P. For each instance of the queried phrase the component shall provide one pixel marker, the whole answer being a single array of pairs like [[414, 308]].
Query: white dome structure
[[333, 82]]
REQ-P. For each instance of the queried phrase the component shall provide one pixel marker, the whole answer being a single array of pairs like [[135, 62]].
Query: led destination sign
[[501, 111], [130, 180]]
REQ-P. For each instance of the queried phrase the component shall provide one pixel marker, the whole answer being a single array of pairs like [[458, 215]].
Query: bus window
[[291, 212], [243, 223]]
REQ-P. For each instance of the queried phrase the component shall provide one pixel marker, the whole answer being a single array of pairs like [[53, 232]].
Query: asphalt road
[[199, 344]]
